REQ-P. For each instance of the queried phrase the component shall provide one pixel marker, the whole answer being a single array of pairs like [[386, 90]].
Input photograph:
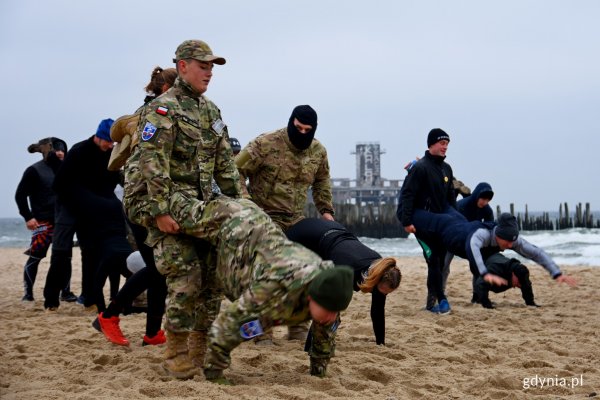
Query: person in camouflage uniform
[[280, 167], [184, 146], [269, 279]]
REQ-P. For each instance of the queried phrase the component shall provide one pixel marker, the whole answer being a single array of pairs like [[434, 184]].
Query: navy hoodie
[[468, 205]]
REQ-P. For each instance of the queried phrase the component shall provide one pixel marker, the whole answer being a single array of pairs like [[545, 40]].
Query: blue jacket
[[468, 205]]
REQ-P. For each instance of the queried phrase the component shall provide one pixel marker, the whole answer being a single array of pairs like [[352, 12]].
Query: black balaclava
[[307, 116]]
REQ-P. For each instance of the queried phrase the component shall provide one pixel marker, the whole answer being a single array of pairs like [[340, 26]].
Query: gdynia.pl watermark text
[[540, 382]]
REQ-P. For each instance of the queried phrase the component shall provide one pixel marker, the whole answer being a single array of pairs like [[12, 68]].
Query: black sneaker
[[68, 297], [96, 325], [27, 297]]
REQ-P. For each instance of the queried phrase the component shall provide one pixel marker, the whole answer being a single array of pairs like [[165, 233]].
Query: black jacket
[[86, 187], [35, 187], [428, 186]]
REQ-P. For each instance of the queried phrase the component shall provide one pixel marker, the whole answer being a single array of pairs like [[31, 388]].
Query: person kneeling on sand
[[512, 271]]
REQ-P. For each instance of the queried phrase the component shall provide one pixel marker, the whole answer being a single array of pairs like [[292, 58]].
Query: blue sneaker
[[435, 309], [443, 307]]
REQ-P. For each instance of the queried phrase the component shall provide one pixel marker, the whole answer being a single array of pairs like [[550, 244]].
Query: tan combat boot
[[197, 347], [177, 361]]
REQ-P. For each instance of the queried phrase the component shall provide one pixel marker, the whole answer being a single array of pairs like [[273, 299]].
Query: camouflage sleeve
[[322, 342], [248, 162], [322, 187], [258, 303], [226, 174], [156, 144]]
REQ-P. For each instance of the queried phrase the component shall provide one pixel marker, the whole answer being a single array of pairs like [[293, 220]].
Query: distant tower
[[368, 164]]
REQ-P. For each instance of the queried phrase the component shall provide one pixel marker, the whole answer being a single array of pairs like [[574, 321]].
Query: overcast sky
[[515, 83]]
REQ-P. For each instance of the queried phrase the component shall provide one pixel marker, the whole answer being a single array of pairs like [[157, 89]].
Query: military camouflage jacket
[[183, 145], [265, 276], [280, 175]]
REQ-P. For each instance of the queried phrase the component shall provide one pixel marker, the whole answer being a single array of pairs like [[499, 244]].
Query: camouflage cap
[[197, 50]]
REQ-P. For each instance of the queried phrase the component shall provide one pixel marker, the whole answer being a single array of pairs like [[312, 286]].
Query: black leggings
[[147, 278]]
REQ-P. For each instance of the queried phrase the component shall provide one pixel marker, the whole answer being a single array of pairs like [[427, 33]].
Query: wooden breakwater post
[[581, 219]]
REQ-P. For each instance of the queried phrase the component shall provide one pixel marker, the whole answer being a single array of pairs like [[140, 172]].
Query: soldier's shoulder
[[317, 144], [266, 138], [160, 112], [317, 147]]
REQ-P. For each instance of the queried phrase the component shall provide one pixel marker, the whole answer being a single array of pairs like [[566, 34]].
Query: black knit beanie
[[507, 228], [332, 288], [435, 135]]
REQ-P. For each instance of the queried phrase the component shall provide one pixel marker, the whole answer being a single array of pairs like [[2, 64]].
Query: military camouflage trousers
[[194, 295]]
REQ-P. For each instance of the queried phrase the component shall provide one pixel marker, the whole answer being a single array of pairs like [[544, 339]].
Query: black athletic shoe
[[68, 297], [96, 325]]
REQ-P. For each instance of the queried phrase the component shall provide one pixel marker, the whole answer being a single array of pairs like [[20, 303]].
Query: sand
[[513, 352]]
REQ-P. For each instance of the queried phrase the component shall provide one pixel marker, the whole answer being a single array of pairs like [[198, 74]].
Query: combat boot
[[318, 366], [197, 347], [298, 332], [177, 361]]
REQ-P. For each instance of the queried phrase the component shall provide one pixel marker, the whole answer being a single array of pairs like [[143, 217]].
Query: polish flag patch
[[162, 110]]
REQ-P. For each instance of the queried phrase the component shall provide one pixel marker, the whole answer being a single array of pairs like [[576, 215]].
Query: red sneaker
[[112, 331], [155, 340]]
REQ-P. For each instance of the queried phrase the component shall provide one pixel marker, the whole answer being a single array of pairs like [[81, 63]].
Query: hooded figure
[[36, 202], [47, 145], [476, 207]]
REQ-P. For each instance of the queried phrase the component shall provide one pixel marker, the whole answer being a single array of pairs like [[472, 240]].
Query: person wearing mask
[[37, 203], [278, 168]]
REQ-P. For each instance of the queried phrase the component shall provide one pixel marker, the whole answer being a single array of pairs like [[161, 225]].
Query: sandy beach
[[513, 352]]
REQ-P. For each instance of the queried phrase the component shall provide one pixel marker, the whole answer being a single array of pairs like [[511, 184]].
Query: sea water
[[576, 246]]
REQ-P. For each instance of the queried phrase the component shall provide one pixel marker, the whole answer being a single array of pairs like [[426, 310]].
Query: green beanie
[[332, 288]]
